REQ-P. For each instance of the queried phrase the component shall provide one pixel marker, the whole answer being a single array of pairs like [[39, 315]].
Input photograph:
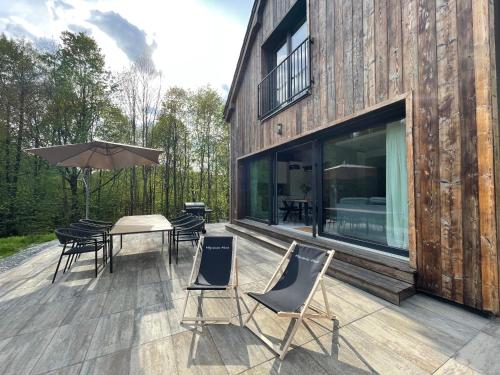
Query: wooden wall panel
[[357, 56], [381, 51], [495, 78], [486, 175], [443, 53], [427, 157], [410, 81], [369, 52], [395, 44], [348, 86], [338, 47], [322, 29], [450, 150], [331, 102], [470, 205]]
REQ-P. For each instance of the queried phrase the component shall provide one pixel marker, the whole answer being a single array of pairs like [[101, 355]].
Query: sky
[[192, 42]]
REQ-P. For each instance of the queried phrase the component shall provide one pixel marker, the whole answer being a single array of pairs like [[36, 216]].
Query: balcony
[[286, 83]]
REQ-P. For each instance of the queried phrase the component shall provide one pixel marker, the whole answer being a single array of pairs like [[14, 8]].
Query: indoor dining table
[[139, 224], [303, 204]]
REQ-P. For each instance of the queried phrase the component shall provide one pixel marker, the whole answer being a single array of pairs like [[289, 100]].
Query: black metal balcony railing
[[287, 82]]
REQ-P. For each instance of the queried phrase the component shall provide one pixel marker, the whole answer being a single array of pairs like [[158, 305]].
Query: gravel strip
[[23, 255]]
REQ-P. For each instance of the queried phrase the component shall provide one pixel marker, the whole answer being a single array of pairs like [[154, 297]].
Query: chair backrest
[[86, 226], [62, 235], [67, 235], [97, 222], [193, 225], [180, 217], [72, 235], [185, 220], [216, 260], [302, 270]]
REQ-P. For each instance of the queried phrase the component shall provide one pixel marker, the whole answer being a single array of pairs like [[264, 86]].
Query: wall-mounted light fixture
[[280, 129]]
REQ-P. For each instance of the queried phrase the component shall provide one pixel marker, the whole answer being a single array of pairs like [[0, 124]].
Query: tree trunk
[[132, 191], [174, 171]]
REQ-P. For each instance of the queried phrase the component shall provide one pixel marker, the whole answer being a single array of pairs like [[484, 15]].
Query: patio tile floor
[[128, 323]]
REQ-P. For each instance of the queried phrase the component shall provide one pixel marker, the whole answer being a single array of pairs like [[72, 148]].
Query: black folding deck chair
[[291, 295], [217, 270]]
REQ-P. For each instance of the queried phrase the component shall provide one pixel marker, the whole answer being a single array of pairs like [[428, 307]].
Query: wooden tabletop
[[141, 224]]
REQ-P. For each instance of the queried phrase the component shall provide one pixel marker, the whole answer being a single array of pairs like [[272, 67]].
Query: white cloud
[[196, 43]]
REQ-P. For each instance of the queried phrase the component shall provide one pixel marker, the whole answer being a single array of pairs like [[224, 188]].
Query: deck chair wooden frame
[[298, 316], [231, 288]]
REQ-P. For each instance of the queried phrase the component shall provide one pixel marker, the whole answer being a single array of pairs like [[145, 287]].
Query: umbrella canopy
[[97, 155]]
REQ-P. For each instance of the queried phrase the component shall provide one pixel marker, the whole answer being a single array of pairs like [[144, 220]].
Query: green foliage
[[195, 140], [67, 96], [13, 244]]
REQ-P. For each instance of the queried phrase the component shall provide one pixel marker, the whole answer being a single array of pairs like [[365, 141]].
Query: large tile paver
[[68, 346], [114, 332], [22, 352], [482, 354]]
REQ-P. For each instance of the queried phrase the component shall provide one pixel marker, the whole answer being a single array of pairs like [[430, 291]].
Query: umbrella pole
[[87, 191]]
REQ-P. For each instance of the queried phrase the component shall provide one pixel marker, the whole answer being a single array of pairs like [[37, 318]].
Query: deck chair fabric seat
[[292, 294], [217, 270], [294, 286], [215, 265]]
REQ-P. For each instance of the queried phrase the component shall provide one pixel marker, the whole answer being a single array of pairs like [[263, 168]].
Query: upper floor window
[[288, 66]]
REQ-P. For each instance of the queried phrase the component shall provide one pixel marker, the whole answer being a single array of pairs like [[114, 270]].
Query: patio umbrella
[[97, 155]]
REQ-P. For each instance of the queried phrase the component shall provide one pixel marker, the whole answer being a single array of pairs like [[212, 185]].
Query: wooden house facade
[[372, 125]]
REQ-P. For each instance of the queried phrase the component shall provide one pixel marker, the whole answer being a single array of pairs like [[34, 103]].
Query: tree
[[20, 107], [80, 94], [67, 96], [208, 124]]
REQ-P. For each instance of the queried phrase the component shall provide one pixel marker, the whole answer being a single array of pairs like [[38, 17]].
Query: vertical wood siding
[[369, 51]]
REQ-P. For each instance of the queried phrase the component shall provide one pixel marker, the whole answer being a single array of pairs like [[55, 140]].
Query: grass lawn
[[11, 245]]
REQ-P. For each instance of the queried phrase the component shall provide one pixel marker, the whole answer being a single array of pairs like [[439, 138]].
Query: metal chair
[[76, 242], [289, 210], [190, 232], [106, 224], [98, 231]]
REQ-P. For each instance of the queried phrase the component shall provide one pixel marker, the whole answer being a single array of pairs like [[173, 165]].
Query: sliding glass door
[[348, 186], [295, 188], [365, 187], [259, 189]]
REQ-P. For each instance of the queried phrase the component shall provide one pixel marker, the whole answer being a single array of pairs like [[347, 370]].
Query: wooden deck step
[[381, 285], [378, 262]]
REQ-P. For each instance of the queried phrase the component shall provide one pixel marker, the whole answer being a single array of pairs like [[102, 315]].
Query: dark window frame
[[271, 51], [270, 101], [383, 115], [372, 121]]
